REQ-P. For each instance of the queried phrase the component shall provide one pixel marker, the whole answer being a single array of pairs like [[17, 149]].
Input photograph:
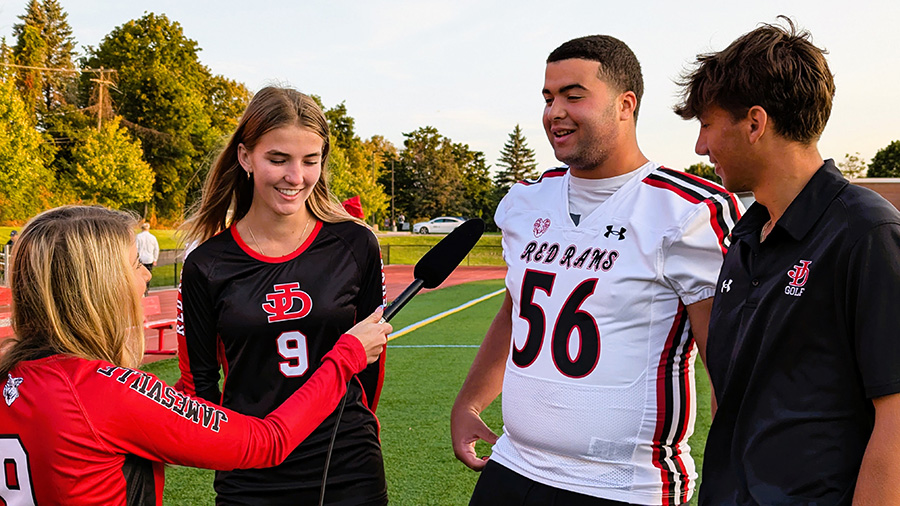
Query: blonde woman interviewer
[[80, 425]]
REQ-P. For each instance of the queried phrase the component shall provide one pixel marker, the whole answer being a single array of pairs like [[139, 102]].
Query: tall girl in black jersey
[[281, 269]]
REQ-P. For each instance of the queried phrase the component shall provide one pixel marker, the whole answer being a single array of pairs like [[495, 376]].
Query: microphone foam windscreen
[[439, 262]]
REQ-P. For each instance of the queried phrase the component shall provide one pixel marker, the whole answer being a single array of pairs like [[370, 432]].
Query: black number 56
[[570, 317]]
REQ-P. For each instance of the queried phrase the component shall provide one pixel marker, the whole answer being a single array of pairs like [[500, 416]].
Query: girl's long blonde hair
[[227, 187], [72, 288]]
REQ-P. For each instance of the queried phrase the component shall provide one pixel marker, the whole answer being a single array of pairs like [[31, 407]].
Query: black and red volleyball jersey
[[76, 431], [268, 322]]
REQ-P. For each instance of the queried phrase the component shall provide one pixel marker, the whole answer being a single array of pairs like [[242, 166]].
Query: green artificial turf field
[[420, 386]]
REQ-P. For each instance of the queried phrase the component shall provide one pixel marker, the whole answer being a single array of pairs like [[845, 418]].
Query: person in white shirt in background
[[148, 249]]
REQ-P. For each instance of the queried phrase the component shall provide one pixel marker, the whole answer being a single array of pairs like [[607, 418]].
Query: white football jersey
[[598, 394]]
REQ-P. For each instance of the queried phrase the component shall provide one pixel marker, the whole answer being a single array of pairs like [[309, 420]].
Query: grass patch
[[414, 410], [166, 275], [166, 239], [408, 249]]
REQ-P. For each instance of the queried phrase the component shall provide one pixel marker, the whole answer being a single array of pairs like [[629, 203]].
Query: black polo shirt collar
[[803, 212]]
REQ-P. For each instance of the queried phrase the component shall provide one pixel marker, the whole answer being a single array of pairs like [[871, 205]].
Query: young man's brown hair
[[619, 66], [777, 68]]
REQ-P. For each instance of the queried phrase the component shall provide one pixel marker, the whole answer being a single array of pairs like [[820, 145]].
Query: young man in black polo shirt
[[804, 344]]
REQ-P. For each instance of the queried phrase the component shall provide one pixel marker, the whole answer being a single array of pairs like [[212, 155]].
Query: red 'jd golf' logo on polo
[[282, 301], [799, 276], [800, 273]]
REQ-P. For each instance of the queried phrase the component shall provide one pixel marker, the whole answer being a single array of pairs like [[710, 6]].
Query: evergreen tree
[[30, 50], [60, 54], [44, 39], [516, 160]]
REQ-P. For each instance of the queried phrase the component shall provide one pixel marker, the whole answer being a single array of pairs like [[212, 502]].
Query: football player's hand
[[372, 333], [466, 427]]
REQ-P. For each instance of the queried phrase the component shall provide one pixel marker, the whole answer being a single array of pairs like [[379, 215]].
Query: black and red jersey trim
[[555, 172], [722, 205], [673, 397]]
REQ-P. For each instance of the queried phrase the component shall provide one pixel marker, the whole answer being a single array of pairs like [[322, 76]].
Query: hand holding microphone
[[372, 334]]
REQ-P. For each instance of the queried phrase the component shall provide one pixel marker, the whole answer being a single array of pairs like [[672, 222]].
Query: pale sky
[[475, 69]]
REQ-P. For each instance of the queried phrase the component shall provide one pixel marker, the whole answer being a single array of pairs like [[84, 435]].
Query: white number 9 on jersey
[[292, 348], [15, 480]]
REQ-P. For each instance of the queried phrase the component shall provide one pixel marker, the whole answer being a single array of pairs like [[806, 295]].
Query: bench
[[151, 308], [5, 328]]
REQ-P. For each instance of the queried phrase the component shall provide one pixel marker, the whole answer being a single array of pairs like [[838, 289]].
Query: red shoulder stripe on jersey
[[713, 191], [554, 172], [671, 465], [706, 184], [275, 260], [693, 195]]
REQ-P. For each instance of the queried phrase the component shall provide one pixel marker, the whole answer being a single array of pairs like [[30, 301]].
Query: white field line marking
[[434, 346], [417, 325]]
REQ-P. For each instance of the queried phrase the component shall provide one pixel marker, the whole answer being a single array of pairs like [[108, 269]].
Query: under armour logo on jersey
[[541, 226], [11, 389], [800, 274], [281, 301], [726, 285], [610, 231]]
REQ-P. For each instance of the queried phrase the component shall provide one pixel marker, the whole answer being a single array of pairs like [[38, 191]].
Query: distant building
[[887, 187]]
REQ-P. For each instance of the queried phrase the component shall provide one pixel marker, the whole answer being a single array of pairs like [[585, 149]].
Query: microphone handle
[[402, 299]]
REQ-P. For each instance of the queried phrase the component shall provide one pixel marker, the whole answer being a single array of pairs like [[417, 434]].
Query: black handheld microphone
[[433, 268]]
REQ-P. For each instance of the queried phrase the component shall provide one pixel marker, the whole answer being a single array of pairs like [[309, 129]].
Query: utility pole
[[103, 82]]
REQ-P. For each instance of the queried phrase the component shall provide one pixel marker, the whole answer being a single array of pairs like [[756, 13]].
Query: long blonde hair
[[72, 288], [228, 188]]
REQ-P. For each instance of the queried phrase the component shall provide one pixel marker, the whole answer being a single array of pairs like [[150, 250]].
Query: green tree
[[516, 161], [26, 185], [886, 162], [107, 168], [341, 125], [853, 166], [44, 39], [170, 101], [30, 50], [704, 170], [355, 166], [478, 191], [435, 177], [228, 99]]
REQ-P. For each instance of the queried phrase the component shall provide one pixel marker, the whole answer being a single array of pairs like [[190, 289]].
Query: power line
[[63, 70]]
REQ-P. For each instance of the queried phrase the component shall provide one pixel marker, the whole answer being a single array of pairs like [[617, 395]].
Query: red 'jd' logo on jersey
[[281, 301]]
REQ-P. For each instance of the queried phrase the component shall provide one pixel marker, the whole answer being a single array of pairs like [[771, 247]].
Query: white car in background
[[439, 225]]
